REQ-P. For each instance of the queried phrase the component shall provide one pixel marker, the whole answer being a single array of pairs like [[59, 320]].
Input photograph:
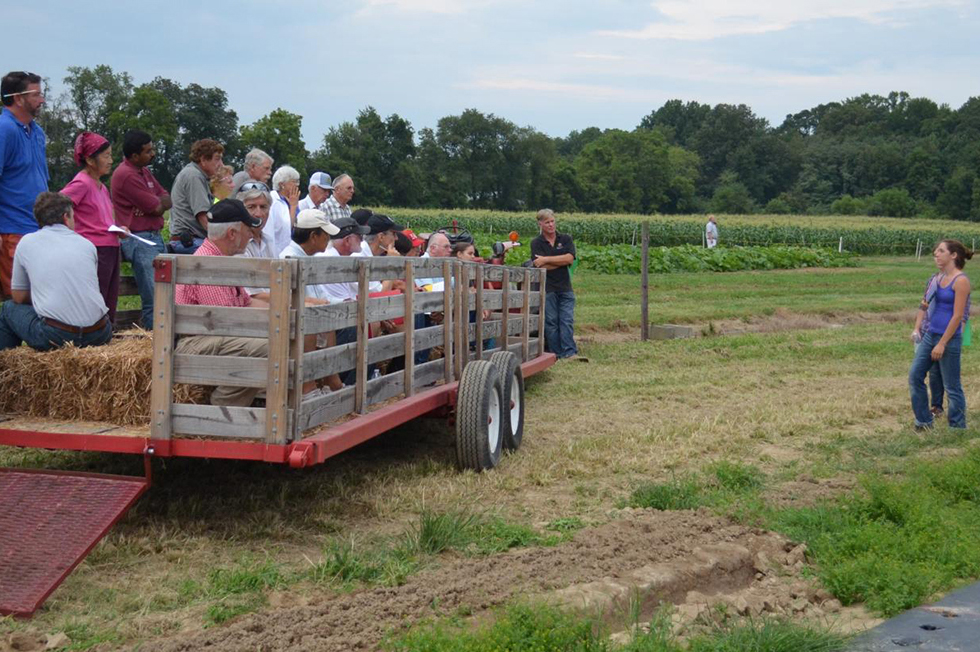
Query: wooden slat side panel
[[409, 310], [161, 378], [277, 383], [220, 370], [216, 320], [321, 269], [327, 408], [428, 373], [332, 360], [381, 389], [219, 421], [323, 319], [222, 270]]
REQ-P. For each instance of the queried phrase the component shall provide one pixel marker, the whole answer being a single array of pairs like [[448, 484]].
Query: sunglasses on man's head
[[33, 90], [254, 185]]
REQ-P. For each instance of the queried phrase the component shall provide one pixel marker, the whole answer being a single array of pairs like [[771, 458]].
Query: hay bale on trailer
[[108, 383]]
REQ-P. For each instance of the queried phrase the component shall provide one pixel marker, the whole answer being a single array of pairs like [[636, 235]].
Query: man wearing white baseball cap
[[320, 189]]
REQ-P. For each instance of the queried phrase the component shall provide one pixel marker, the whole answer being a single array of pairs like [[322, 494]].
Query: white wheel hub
[[493, 425]]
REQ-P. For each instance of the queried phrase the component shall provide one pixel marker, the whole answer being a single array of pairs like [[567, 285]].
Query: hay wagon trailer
[[50, 520]]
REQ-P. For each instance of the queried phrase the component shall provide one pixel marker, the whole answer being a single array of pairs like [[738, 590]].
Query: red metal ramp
[[49, 521]]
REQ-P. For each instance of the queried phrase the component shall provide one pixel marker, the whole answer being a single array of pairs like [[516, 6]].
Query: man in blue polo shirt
[[23, 165]]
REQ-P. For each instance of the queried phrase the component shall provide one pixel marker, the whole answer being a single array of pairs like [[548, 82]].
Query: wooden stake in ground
[[645, 276]]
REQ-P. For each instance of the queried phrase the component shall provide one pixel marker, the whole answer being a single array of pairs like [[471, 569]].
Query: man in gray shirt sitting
[[55, 285]]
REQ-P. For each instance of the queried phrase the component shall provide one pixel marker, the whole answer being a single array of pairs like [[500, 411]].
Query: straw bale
[[103, 383]]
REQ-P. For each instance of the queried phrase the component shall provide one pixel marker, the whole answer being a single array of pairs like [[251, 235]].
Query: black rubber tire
[[476, 448], [509, 369]]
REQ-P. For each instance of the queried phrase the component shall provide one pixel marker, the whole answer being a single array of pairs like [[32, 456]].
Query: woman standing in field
[[947, 309], [93, 211]]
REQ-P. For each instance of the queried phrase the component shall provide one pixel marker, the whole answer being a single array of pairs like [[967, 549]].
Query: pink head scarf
[[86, 145]]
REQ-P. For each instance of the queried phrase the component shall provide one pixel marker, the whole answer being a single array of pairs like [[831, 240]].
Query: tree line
[[892, 155]]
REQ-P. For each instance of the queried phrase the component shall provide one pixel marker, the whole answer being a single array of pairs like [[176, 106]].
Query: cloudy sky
[[556, 65]]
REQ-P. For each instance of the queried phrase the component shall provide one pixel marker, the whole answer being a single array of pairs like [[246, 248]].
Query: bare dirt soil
[[771, 583]]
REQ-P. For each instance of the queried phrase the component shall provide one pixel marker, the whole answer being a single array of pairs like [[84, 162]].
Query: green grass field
[[728, 422]]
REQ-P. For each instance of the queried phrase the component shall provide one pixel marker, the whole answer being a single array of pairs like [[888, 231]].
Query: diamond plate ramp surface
[[49, 521]]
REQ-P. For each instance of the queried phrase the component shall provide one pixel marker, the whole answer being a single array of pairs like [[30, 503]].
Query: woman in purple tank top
[[947, 309]]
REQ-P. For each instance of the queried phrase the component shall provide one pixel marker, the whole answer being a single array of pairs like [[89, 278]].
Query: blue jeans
[[559, 318], [178, 248], [936, 391], [19, 323], [949, 365], [141, 255]]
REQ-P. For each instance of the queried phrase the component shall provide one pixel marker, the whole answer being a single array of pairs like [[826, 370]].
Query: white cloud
[[579, 91], [699, 20]]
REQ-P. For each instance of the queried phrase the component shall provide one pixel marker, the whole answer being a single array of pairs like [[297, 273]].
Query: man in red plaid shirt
[[228, 234]]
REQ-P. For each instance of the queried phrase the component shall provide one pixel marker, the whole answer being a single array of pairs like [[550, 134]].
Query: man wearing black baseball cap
[[228, 234]]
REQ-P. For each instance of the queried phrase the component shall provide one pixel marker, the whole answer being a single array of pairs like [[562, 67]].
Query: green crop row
[[625, 259], [880, 237]]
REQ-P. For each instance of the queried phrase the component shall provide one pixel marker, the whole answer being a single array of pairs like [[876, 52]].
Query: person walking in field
[[947, 309], [711, 232], [936, 392]]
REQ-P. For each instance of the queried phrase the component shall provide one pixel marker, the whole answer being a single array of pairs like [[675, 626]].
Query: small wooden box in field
[[108, 383]]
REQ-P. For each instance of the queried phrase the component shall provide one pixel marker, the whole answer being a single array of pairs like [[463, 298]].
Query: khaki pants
[[239, 347]]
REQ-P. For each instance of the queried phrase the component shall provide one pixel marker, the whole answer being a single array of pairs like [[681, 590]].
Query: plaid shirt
[[334, 210], [211, 295]]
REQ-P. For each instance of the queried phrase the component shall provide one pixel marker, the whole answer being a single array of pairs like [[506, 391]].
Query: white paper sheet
[[116, 229]]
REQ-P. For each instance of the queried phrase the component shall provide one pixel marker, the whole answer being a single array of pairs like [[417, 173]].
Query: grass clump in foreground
[[900, 541], [721, 484], [541, 628]]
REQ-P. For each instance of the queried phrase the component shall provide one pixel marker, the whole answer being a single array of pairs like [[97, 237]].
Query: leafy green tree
[[95, 95], [624, 172], [892, 202], [731, 196], [847, 205], [680, 121], [280, 135]]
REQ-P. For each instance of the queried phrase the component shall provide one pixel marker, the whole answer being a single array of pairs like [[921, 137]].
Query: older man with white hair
[[285, 205], [258, 167]]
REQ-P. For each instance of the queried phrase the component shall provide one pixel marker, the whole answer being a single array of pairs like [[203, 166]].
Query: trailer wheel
[[512, 389], [480, 417]]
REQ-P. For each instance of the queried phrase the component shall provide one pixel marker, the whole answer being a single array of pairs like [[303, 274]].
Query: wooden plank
[[447, 319], [219, 320], [526, 317], [323, 319], [162, 383], [321, 269], [332, 360], [218, 420], [462, 318], [505, 301], [297, 346], [360, 387], [428, 373], [322, 409], [128, 287], [381, 389], [494, 272], [220, 370], [277, 388], [645, 284], [409, 310], [542, 302], [479, 313], [222, 270]]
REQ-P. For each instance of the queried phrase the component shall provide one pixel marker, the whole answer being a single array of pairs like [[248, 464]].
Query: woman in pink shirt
[[93, 211]]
